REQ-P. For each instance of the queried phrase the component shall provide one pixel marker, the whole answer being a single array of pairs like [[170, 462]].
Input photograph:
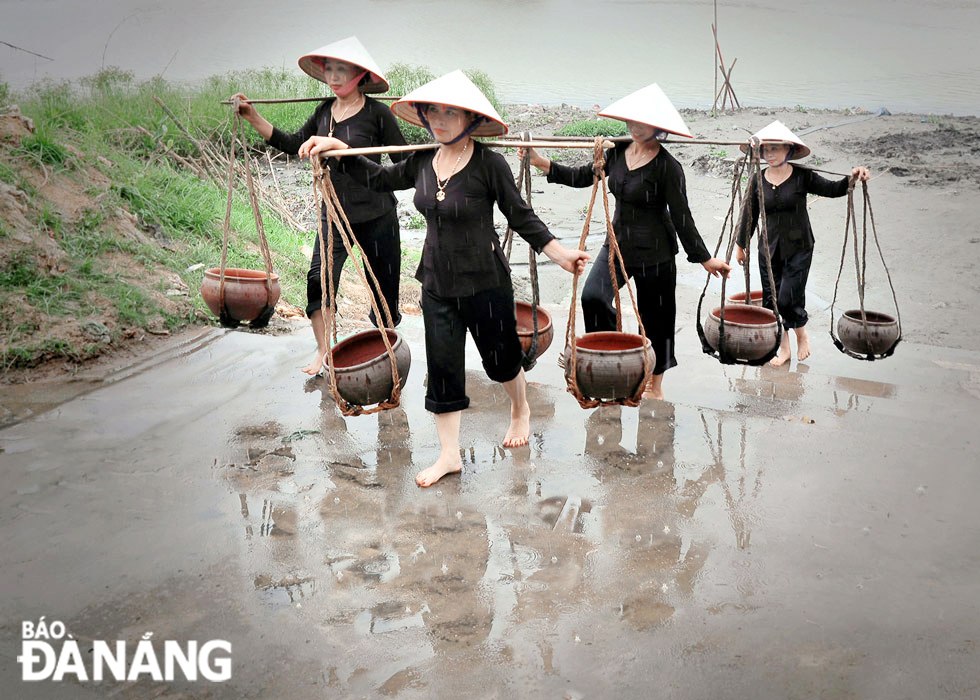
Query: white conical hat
[[778, 133], [352, 51], [650, 106], [453, 90]]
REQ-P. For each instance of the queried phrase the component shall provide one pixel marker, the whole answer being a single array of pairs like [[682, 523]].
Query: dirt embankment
[[58, 263]]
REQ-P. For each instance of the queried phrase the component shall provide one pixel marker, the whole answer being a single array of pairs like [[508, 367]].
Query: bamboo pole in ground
[[728, 83], [715, 62]]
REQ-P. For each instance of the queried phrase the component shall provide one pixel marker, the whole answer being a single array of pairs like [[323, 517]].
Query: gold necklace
[[343, 116], [441, 194], [638, 156]]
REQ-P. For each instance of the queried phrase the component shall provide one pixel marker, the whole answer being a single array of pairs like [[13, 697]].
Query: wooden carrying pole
[[565, 141], [285, 100], [375, 150]]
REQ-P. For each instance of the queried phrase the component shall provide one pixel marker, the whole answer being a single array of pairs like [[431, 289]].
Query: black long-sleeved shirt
[[373, 125], [651, 206], [462, 253], [787, 221]]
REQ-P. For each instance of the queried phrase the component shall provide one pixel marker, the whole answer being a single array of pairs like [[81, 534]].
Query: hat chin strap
[[789, 153], [658, 135], [351, 85], [477, 120]]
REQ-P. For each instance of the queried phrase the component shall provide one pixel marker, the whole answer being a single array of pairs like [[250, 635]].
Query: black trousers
[[491, 320], [380, 243], [654, 299], [790, 275]]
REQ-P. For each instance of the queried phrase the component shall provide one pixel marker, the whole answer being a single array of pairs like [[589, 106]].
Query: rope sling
[[262, 320], [598, 179], [861, 265], [326, 198], [524, 182], [728, 225]]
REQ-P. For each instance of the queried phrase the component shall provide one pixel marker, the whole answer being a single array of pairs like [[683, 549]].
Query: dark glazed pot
[[750, 331], [246, 295], [525, 328], [739, 298], [363, 366], [609, 365], [881, 334]]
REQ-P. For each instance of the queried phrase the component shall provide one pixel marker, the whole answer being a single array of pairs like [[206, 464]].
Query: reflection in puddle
[[614, 522], [285, 591]]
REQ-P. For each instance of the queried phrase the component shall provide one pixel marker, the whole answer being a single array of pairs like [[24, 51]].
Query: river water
[[906, 55]]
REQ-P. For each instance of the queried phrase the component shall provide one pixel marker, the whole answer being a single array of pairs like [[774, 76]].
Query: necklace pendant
[[440, 196]]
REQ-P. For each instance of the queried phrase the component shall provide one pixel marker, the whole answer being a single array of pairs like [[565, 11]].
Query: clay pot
[[881, 335], [750, 331], [363, 367], [739, 298], [525, 328], [246, 295], [609, 365]]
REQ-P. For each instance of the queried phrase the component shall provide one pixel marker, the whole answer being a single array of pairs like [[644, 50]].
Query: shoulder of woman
[[377, 107], [670, 164], [489, 156], [325, 105]]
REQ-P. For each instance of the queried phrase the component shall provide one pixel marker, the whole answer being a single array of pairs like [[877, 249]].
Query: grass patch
[[41, 145], [595, 127], [92, 124]]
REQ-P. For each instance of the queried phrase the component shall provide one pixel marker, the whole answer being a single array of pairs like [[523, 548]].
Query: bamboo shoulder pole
[[285, 100], [375, 150], [569, 141]]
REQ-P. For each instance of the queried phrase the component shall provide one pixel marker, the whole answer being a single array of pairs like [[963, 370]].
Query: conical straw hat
[[778, 133], [453, 90], [649, 106], [352, 51]]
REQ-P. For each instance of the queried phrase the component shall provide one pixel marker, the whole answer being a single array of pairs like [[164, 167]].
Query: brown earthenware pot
[[739, 298], [525, 328], [246, 295], [363, 366], [880, 336], [608, 364], [750, 331]]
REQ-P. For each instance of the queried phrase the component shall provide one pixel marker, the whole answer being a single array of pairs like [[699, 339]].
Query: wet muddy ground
[[808, 531], [770, 533]]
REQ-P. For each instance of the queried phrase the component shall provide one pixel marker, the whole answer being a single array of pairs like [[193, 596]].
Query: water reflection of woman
[[359, 120], [788, 228], [651, 212], [465, 278]]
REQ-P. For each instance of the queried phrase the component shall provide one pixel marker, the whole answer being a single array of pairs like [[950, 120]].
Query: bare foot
[[802, 343], [519, 430], [444, 465], [782, 357], [316, 365], [654, 388]]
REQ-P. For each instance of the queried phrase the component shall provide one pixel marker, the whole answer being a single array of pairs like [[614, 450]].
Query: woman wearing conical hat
[[788, 228], [464, 274], [360, 121], [651, 213]]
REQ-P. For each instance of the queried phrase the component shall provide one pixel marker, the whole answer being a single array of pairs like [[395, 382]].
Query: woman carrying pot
[[788, 228], [359, 121], [651, 213], [465, 278]]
